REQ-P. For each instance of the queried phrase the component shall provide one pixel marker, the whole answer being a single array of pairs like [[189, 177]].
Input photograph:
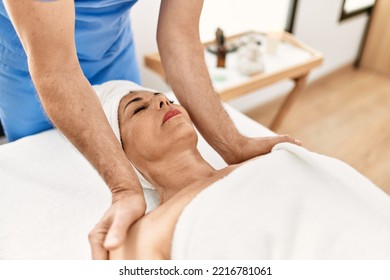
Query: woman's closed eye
[[143, 107], [140, 108]]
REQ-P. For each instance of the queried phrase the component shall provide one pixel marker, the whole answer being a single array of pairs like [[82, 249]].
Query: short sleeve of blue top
[[105, 50]]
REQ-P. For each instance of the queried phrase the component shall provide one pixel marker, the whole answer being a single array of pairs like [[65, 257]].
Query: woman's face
[[151, 127]]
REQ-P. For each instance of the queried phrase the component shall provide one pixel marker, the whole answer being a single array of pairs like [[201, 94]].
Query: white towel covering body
[[289, 204]]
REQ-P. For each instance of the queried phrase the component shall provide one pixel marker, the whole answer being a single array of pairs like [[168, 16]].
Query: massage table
[[51, 197]]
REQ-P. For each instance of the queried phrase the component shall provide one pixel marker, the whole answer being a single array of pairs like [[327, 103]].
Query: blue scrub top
[[105, 49]]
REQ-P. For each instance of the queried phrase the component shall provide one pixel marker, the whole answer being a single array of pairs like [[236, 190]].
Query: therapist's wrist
[[231, 150], [134, 197], [120, 177], [125, 190]]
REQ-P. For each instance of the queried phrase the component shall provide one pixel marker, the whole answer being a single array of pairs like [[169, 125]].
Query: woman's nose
[[162, 102]]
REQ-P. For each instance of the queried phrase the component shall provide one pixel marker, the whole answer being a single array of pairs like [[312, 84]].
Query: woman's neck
[[177, 171]]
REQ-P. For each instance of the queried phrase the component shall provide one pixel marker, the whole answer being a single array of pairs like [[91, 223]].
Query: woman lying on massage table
[[159, 139]]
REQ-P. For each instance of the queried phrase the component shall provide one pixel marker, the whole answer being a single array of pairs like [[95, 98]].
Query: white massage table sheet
[[51, 197]]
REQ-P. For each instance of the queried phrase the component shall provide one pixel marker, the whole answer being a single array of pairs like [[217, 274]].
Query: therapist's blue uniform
[[105, 49]]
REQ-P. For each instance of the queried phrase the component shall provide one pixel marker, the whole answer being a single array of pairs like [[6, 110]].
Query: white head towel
[[110, 94]]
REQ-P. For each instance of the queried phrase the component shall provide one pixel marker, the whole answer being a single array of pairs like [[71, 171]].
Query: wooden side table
[[293, 60]]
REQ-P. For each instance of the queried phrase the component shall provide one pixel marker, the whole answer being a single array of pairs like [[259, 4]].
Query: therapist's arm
[[46, 30], [182, 56]]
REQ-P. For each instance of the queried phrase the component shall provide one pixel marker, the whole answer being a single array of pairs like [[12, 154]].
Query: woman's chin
[[180, 126], [182, 134]]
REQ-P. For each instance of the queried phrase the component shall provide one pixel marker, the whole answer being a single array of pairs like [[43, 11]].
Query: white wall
[[317, 24], [236, 16]]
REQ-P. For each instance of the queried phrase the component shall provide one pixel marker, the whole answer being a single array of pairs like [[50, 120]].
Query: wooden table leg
[[299, 84]]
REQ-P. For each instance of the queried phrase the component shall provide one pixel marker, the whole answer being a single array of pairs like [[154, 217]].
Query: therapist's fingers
[[288, 138], [111, 231], [127, 210], [298, 142], [118, 231], [96, 240]]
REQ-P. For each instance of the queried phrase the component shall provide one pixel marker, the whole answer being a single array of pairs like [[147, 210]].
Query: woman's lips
[[170, 114]]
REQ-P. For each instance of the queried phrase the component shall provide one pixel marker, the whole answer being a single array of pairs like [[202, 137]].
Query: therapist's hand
[[248, 148], [112, 229]]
